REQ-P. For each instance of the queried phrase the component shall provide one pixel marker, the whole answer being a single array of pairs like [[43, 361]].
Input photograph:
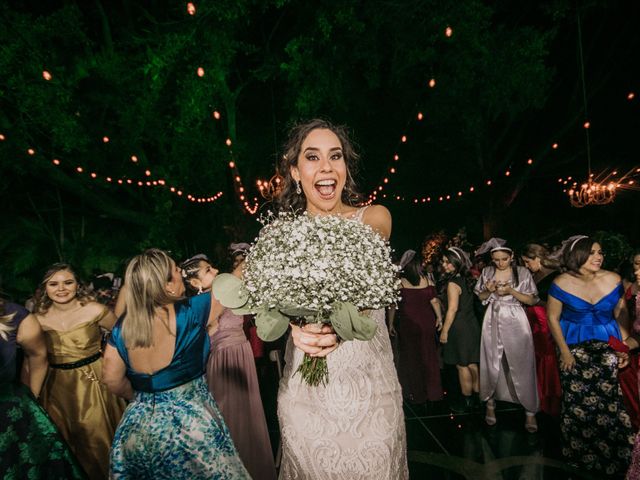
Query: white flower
[[314, 261]]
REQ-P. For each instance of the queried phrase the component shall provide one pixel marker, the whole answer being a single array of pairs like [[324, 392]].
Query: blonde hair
[[535, 250], [5, 327], [146, 279], [42, 300]]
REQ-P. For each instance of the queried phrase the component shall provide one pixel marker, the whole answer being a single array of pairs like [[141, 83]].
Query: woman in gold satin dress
[[79, 404]]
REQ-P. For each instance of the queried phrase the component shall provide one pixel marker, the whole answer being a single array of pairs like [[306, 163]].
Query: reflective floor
[[443, 445]]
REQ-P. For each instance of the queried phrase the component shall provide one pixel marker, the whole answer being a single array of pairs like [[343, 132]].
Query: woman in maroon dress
[[419, 319], [628, 376], [544, 269]]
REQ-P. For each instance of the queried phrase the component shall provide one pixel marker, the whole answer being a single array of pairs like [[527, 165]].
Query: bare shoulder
[[563, 280], [610, 277], [379, 218], [93, 308]]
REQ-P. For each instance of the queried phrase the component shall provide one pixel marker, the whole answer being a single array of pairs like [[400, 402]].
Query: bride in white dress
[[352, 428]]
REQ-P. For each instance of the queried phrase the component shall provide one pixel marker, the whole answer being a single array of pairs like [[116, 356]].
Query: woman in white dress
[[352, 427]]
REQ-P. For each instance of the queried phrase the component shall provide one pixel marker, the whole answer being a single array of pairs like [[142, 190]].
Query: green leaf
[[341, 321], [364, 327], [271, 324], [350, 324], [298, 312], [227, 289], [245, 310]]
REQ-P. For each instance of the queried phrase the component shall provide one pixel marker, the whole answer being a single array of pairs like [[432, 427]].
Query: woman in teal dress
[[584, 309], [155, 357], [30, 445]]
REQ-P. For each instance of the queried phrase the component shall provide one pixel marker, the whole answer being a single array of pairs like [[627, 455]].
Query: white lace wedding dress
[[352, 428]]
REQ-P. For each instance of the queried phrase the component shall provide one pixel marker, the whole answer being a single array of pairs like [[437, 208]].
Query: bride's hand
[[315, 340]]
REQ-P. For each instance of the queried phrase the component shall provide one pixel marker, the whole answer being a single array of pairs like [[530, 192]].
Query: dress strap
[[360, 213]]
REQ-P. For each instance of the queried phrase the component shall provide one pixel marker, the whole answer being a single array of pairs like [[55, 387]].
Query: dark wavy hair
[[412, 271], [286, 197], [574, 257], [42, 300], [460, 269], [626, 267]]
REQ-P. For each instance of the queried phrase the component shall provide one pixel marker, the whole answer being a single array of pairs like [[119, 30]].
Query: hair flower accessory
[[406, 258], [493, 245], [567, 245], [235, 248], [462, 255]]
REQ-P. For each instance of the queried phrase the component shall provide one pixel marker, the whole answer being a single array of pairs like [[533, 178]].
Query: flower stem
[[314, 370]]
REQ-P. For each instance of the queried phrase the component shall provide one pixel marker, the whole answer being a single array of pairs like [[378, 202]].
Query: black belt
[[78, 364]]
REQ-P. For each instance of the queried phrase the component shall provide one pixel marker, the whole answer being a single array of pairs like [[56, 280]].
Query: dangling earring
[[298, 189], [199, 289]]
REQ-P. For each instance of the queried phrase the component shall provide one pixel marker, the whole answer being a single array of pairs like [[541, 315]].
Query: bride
[[353, 427]]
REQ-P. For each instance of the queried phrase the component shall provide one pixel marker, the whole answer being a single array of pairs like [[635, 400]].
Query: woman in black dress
[[460, 333]]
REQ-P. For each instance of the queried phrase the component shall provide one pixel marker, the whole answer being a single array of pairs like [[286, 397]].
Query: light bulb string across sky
[[119, 179]]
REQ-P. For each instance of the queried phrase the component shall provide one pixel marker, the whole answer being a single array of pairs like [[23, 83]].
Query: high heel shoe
[[530, 424], [490, 414]]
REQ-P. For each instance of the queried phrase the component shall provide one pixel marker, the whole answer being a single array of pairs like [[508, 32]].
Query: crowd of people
[[162, 383], [554, 337]]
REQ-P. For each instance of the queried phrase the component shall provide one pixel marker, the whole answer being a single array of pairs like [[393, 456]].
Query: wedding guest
[[538, 261], [460, 334], [31, 446], [632, 297], [584, 308], [74, 396], [419, 319], [628, 376], [507, 359], [238, 253], [173, 428], [232, 377], [337, 426], [631, 285]]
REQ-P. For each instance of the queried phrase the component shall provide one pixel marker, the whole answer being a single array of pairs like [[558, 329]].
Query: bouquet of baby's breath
[[306, 268]]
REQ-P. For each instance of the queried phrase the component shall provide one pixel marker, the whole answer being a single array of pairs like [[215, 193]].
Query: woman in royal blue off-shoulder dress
[[156, 358], [586, 311]]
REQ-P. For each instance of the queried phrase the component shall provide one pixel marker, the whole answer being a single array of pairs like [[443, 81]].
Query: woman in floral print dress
[[173, 428], [583, 310]]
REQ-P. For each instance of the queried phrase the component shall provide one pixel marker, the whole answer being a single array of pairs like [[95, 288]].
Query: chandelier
[[592, 193], [601, 190]]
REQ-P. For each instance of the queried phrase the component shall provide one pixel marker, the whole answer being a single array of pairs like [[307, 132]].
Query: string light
[[432, 82], [191, 8], [448, 31], [128, 181], [134, 159], [46, 75], [105, 139], [216, 115], [200, 72]]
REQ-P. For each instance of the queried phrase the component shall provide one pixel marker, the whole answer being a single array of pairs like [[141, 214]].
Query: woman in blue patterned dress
[[155, 357]]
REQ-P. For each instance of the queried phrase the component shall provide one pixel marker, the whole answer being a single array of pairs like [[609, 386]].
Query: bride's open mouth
[[326, 188]]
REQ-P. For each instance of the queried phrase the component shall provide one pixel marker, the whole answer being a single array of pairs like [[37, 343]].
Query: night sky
[[507, 87]]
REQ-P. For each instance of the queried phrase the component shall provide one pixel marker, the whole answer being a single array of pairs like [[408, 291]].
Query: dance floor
[[447, 446]]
